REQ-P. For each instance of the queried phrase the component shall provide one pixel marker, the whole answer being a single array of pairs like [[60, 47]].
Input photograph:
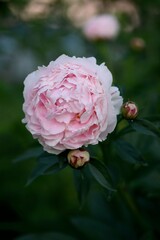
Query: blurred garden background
[[35, 32]]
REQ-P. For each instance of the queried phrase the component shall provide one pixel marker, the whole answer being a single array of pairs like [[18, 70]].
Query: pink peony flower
[[101, 27], [70, 103]]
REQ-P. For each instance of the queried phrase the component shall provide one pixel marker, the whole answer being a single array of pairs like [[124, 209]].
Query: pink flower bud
[[77, 158], [129, 110]]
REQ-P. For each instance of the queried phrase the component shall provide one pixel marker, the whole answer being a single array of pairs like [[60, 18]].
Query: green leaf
[[128, 153], [101, 174], [56, 168], [95, 151], [82, 185], [31, 153], [124, 131], [44, 164], [146, 127]]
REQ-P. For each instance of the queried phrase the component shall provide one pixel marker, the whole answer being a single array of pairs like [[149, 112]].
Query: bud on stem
[[129, 110], [137, 44], [78, 158]]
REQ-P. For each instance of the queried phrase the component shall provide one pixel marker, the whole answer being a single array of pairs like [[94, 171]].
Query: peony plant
[[71, 107]]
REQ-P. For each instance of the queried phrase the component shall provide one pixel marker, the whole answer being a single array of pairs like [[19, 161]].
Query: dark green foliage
[[47, 164], [31, 153], [82, 184], [146, 127], [128, 153], [101, 174]]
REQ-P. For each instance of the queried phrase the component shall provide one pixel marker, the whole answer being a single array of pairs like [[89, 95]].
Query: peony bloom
[[70, 103], [101, 27], [78, 158]]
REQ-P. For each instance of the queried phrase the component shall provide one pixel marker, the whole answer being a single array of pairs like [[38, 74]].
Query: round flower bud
[[78, 158], [129, 110], [137, 44]]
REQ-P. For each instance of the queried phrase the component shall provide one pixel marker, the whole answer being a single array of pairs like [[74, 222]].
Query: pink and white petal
[[105, 77], [52, 126], [51, 150], [53, 142], [86, 116], [29, 83], [64, 117], [116, 99]]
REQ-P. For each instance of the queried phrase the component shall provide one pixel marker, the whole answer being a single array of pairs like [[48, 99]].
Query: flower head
[[104, 26], [70, 103], [129, 110], [78, 158]]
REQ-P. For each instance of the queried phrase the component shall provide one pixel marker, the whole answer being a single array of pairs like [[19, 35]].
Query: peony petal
[[29, 83], [52, 126], [117, 100], [64, 117], [105, 77]]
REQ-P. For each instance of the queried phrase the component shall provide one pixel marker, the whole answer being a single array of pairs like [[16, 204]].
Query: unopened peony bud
[[77, 158], [129, 110], [137, 44]]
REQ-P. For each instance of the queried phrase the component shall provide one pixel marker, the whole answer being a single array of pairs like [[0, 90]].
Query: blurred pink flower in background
[[104, 26], [70, 103]]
